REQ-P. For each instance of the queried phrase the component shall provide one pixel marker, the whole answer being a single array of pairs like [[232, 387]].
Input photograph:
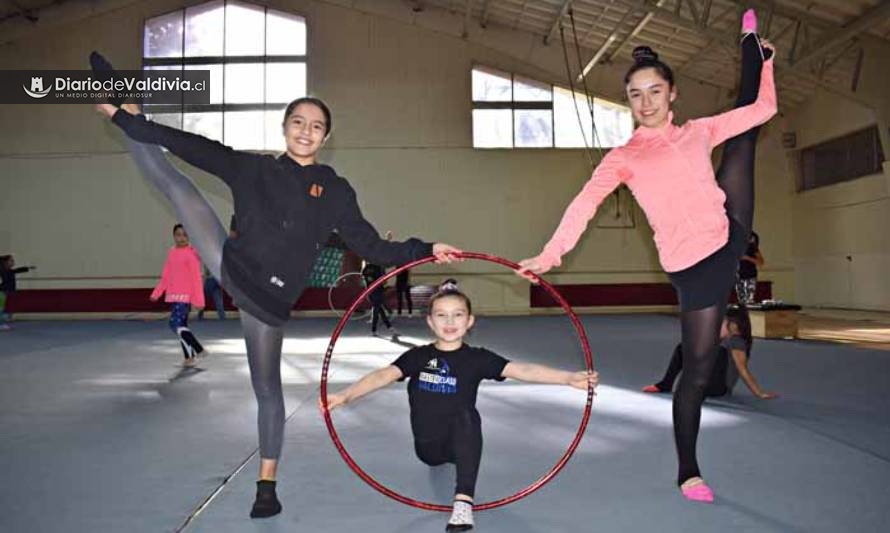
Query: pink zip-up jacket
[[181, 278], [669, 171]]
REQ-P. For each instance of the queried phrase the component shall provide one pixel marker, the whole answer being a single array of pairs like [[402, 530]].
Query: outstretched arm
[[533, 373], [741, 364], [216, 158], [607, 176], [375, 380], [362, 238]]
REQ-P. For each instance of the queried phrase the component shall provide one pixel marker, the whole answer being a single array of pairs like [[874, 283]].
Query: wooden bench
[[774, 321]]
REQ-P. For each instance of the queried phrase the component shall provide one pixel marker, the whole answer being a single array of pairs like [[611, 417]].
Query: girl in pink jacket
[[181, 281], [701, 222]]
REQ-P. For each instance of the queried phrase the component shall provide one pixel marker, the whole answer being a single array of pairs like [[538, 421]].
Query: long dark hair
[[645, 57], [742, 320]]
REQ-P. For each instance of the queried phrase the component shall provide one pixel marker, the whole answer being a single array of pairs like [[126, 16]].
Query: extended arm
[[741, 364], [371, 382], [211, 156], [606, 177], [362, 238], [741, 119], [533, 373]]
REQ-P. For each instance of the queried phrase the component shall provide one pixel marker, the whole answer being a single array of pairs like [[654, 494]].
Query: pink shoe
[[749, 22], [698, 493], [651, 388]]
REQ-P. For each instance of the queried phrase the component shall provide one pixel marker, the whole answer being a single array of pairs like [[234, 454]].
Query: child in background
[[746, 285], [8, 272], [181, 281], [372, 273], [732, 360], [443, 381]]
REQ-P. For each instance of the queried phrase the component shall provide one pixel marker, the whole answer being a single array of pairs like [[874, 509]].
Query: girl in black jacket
[[286, 208]]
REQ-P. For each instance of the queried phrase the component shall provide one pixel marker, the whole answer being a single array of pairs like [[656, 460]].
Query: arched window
[[257, 62], [510, 111]]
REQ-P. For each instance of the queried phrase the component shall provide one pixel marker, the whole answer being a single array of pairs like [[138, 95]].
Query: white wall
[[841, 243]]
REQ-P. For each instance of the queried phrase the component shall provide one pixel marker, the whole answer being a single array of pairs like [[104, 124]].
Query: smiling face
[[650, 97], [450, 320], [305, 131], [180, 237]]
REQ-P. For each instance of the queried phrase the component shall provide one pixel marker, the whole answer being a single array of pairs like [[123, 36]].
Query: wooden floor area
[[861, 328]]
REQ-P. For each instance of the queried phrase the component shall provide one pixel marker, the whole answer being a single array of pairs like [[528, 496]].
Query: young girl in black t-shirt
[[443, 380]]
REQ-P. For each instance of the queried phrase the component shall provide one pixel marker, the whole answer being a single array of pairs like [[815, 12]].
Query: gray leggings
[[208, 236]]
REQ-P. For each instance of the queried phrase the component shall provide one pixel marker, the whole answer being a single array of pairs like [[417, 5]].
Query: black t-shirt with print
[[442, 383]]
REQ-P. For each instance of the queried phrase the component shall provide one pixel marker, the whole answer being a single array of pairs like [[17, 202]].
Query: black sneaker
[[266, 503], [103, 70]]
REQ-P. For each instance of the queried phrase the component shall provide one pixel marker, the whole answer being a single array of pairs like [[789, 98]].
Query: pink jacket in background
[[670, 173], [181, 278]]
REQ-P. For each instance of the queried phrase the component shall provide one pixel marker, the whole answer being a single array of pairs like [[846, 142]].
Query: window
[[257, 62], [846, 158], [510, 111]]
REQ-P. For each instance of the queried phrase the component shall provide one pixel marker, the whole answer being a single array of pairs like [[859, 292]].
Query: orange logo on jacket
[[316, 190]]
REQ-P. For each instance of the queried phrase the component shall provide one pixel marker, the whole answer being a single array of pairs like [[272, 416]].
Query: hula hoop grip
[[537, 484]]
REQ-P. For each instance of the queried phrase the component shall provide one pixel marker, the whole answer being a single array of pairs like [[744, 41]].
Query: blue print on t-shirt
[[436, 378]]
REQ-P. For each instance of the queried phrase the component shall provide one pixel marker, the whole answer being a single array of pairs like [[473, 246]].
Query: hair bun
[[644, 54]]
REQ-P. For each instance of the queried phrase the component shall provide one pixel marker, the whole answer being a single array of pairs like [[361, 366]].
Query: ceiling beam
[[705, 13], [637, 29], [467, 11], [607, 43], [828, 63], [667, 15], [783, 10], [863, 23], [483, 17], [566, 5], [55, 15], [30, 14], [694, 12]]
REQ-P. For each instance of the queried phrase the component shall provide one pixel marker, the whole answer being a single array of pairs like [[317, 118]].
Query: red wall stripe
[[620, 294], [314, 299]]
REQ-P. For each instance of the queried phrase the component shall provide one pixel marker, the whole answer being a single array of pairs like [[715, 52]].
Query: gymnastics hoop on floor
[[361, 280], [540, 482]]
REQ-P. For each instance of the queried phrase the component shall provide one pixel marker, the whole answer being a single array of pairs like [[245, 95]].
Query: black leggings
[[403, 293], [461, 446], [208, 236], [701, 327], [716, 385], [378, 313]]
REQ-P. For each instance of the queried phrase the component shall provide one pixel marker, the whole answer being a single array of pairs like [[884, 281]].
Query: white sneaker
[[461, 517]]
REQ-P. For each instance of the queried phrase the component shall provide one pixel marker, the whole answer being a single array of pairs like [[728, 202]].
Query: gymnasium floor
[[102, 431]]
